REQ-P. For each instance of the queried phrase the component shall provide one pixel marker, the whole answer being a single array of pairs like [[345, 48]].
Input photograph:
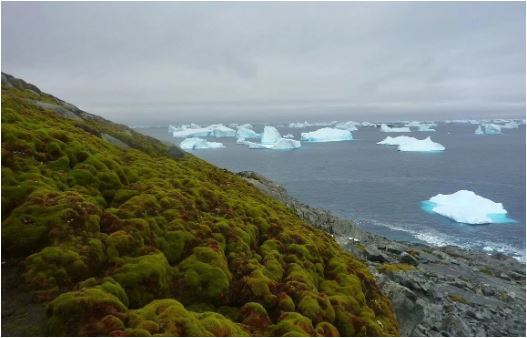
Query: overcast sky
[[172, 62]]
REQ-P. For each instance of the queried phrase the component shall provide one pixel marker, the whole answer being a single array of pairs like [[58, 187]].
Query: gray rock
[[375, 255], [407, 309], [408, 259]]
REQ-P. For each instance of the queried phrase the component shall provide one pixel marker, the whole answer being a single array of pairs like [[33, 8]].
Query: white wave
[[439, 239]]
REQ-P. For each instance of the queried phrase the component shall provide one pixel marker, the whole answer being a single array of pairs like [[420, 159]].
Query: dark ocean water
[[382, 188]]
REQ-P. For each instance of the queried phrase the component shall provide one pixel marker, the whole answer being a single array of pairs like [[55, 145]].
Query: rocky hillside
[[109, 232], [434, 291]]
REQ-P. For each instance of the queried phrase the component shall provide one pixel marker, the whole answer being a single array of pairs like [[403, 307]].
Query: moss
[[457, 298], [104, 228], [486, 271], [292, 324], [144, 278], [204, 276], [169, 317], [81, 312], [54, 267], [255, 316], [394, 267], [317, 307], [173, 244]]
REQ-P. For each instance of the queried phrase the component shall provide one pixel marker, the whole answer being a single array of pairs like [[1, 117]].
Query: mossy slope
[[134, 241]]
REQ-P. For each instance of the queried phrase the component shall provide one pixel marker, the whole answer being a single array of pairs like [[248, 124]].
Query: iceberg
[[421, 126], [305, 124], [465, 206], [199, 143], [368, 124], [271, 139], [270, 135], [407, 143], [289, 136], [219, 130], [350, 126], [246, 125], [488, 129], [510, 125], [327, 135], [425, 127], [244, 133], [286, 143], [193, 130], [387, 129]]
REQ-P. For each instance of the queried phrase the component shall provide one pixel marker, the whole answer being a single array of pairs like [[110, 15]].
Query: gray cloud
[[158, 62]]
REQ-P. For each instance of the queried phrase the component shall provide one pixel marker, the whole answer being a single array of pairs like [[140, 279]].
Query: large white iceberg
[[216, 130], [488, 129], [407, 143], [199, 143], [387, 129], [271, 139], [465, 206], [350, 125], [327, 135]]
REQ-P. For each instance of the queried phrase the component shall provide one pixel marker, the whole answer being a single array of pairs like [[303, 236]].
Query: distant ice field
[[382, 189]]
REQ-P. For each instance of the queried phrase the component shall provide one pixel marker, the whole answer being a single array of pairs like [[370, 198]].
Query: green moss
[[81, 312], [144, 278], [104, 228], [204, 276], [54, 267], [457, 298], [394, 267], [169, 317]]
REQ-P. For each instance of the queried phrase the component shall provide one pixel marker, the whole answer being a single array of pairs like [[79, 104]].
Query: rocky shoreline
[[435, 291]]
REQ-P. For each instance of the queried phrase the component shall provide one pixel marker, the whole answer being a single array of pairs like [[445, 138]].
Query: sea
[[382, 189]]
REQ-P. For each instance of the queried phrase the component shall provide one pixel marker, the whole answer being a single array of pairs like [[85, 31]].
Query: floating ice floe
[[216, 130], [271, 139], [488, 129], [199, 143], [289, 136], [465, 206], [368, 124], [407, 143], [244, 133], [327, 135], [350, 125], [387, 129], [463, 121], [299, 125], [421, 126], [510, 125]]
